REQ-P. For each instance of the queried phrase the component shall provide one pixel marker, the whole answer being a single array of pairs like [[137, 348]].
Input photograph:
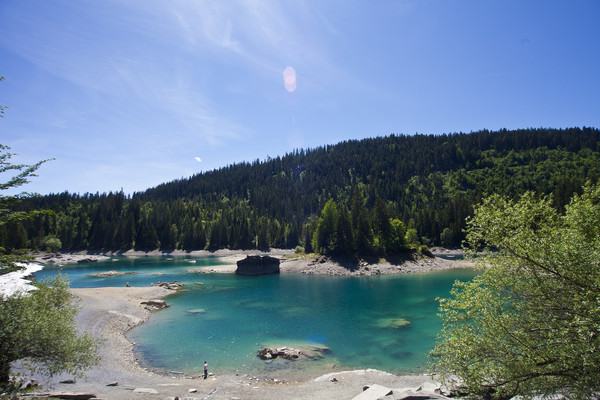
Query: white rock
[[374, 392]]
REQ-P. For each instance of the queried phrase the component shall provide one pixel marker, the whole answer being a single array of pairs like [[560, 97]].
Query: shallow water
[[383, 322]]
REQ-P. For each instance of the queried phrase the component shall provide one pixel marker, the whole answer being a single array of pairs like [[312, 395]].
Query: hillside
[[427, 182]]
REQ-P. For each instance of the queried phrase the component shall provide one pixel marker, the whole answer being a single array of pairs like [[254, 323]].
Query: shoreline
[[110, 312], [310, 264]]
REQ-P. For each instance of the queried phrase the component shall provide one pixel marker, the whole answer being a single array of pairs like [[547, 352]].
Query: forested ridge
[[426, 184]]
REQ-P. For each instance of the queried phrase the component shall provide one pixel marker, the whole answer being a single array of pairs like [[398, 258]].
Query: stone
[[289, 353], [28, 383], [155, 305], [68, 381], [392, 323], [429, 387], [115, 383], [111, 273], [169, 285], [410, 395], [373, 392], [257, 265], [145, 390]]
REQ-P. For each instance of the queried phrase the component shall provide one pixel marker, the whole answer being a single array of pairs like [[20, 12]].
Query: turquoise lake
[[225, 319]]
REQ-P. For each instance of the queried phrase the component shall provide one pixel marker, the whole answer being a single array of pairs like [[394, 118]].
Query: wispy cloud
[[159, 75], [93, 55]]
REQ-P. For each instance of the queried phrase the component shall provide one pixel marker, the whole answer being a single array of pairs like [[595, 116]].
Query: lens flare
[[289, 79]]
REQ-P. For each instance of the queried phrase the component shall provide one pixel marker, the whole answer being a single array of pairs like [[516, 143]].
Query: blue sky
[[131, 94]]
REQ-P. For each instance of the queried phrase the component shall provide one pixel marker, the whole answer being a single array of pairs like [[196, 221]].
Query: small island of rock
[[111, 273], [258, 265]]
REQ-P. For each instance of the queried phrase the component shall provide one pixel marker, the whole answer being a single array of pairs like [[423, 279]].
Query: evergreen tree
[[397, 241], [324, 237], [9, 215], [381, 225], [343, 233], [364, 234]]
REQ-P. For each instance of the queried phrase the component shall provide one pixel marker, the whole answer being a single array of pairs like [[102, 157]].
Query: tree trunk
[[4, 374]]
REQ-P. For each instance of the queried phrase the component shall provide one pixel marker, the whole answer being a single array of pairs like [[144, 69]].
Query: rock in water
[[111, 273], [155, 305], [257, 265], [392, 323], [169, 285], [289, 353]]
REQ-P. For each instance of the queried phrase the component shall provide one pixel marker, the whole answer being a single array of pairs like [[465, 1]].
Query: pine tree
[[343, 233], [324, 237]]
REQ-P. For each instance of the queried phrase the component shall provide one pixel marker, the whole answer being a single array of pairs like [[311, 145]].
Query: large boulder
[[268, 353], [258, 265], [111, 273], [169, 285], [87, 261], [155, 305], [311, 352]]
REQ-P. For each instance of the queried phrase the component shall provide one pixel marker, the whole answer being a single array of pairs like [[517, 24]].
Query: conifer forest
[[361, 197]]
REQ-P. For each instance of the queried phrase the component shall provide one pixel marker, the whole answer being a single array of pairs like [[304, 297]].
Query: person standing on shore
[[205, 370]]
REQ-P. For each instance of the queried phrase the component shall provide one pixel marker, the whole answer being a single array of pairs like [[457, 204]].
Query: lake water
[[384, 322]]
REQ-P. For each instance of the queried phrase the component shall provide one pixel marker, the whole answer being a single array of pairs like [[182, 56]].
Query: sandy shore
[[108, 313]]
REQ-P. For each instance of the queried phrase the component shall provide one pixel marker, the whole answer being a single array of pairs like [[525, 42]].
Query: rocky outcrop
[[268, 353], [155, 305], [374, 392], [62, 259], [87, 260], [169, 285], [289, 353], [424, 392], [111, 273], [257, 265]]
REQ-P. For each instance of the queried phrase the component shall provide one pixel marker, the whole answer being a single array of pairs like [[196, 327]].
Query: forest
[[372, 196]]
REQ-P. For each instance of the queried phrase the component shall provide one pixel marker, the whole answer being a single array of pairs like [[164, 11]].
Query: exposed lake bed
[[120, 354]]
